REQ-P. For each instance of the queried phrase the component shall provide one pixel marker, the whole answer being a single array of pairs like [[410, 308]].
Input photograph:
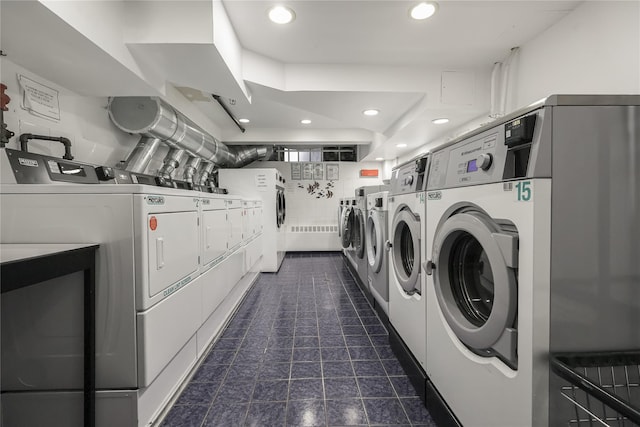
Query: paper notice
[[333, 171], [296, 171], [261, 182], [39, 99]]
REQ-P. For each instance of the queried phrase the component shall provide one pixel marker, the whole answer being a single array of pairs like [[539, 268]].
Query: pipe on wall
[[153, 117]]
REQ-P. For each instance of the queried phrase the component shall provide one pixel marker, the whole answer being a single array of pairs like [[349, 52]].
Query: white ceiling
[[461, 33], [335, 60], [341, 57]]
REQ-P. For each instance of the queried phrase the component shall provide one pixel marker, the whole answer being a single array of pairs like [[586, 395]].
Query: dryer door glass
[[405, 252], [471, 279], [475, 281], [375, 242], [347, 227], [358, 233]]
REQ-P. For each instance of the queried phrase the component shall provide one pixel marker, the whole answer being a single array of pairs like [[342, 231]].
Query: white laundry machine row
[[360, 215], [406, 213], [532, 249], [163, 291], [266, 185], [376, 231]]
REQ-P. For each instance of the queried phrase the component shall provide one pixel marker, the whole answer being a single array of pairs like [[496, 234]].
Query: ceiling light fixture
[[379, 159], [401, 145], [305, 121], [440, 121], [244, 120], [423, 10], [371, 112], [281, 15]]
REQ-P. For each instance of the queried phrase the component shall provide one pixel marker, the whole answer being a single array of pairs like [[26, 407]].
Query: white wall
[[305, 209], [593, 50], [84, 120]]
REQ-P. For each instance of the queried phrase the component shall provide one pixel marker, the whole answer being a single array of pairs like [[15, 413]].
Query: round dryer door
[[475, 279], [358, 237], [375, 241], [405, 250], [346, 225], [278, 209], [284, 207]]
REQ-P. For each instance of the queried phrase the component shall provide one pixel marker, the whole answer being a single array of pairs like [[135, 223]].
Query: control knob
[[408, 180], [484, 161]]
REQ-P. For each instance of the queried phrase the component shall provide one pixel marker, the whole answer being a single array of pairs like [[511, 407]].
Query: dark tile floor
[[303, 349]]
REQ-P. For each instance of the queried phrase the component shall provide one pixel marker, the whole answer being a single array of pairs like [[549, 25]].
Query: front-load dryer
[[406, 216], [530, 249], [376, 232]]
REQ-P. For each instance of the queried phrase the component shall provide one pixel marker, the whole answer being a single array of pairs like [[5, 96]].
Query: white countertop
[[10, 252]]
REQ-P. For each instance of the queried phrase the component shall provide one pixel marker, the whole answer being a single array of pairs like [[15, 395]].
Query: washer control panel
[[410, 177], [500, 153]]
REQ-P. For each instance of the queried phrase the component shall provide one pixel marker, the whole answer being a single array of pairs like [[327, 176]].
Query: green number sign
[[524, 191]]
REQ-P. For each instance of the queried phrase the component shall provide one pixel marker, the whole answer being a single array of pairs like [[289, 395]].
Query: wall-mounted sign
[[38, 99], [333, 171], [307, 171], [318, 171], [368, 173], [296, 171]]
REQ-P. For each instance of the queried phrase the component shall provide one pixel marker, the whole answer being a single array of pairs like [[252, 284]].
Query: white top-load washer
[[148, 292], [406, 218], [267, 185], [525, 246], [376, 231]]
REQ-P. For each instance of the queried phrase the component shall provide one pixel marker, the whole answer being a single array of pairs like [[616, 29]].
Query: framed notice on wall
[[333, 171], [318, 171], [296, 171], [307, 171]]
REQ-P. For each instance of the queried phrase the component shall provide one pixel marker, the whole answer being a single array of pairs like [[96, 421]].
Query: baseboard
[[438, 408], [409, 363]]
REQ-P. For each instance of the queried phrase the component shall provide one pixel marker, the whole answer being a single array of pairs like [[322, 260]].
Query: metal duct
[[140, 157], [153, 117], [171, 162], [205, 170], [191, 168]]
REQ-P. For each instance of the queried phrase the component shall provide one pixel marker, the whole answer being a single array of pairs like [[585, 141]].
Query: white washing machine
[[352, 230], [500, 201], [267, 185], [360, 238], [377, 257], [405, 245]]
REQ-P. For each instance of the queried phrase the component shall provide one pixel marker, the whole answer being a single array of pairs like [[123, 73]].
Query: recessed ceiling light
[[371, 112], [305, 121], [244, 120], [440, 121], [423, 10], [379, 159], [281, 15], [401, 145]]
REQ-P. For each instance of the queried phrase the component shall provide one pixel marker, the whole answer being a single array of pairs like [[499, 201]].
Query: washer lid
[[476, 282], [405, 250], [375, 241]]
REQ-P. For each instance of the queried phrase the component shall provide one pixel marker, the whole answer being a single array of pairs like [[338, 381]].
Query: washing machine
[[528, 252], [405, 244], [350, 233], [360, 237], [377, 257]]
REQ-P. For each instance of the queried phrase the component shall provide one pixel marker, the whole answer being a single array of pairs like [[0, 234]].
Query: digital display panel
[[472, 166]]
